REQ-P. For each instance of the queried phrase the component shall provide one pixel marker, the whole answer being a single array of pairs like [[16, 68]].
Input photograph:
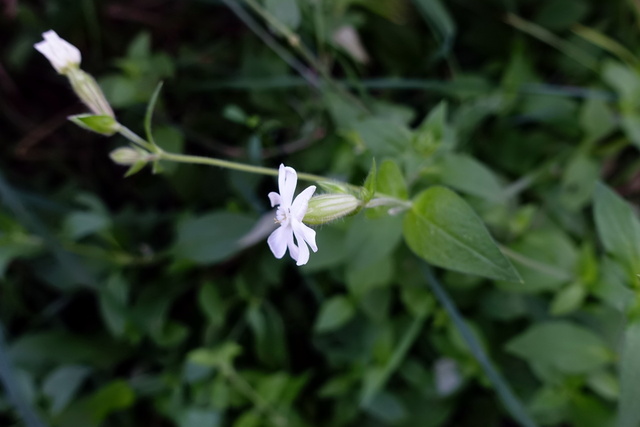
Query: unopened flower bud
[[327, 207], [65, 58], [128, 156], [87, 89]]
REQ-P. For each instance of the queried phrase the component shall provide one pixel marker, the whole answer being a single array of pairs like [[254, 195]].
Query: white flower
[[289, 216], [59, 52]]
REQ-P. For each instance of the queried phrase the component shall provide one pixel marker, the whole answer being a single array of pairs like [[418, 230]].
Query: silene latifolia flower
[[65, 58], [289, 215]]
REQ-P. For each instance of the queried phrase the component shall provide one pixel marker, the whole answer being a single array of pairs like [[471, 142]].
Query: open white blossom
[[59, 52], [289, 216]]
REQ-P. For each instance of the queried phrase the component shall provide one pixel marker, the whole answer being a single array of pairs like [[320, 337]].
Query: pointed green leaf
[[628, 414], [443, 229], [334, 313], [618, 227], [105, 125], [470, 176], [149, 114], [135, 168], [370, 183], [561, 346], [391, 181]]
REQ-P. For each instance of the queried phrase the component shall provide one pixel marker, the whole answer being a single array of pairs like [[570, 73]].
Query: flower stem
[[133, 137], [158, 153], [211, 161]]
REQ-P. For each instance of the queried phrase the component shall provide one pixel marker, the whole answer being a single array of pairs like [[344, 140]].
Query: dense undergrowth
[[147, 301]]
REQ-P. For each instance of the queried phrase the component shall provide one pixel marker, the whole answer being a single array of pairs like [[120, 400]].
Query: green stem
[[133, 137], [158, 153], [502, 388], [201, 160]]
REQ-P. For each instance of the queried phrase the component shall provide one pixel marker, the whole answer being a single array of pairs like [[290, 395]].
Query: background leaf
[[444, 230]]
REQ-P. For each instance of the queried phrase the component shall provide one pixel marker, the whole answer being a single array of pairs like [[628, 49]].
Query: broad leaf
[[618, 227], [211, 238], [334, 313], [562, 347], [628, 414], [443, 229]]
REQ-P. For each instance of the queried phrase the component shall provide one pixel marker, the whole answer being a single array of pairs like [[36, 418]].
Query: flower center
[[283, 215]]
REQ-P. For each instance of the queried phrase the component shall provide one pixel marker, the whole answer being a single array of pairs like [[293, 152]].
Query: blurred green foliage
[[150, 301]]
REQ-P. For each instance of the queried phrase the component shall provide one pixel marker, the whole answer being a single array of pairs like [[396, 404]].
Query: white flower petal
[[287, 181], [303, 255], [275, 199], [301, 203], [308, 234], [278, 241], [59, 52], [294, 250]]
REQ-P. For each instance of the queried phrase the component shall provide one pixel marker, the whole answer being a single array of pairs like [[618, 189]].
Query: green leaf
[[434, 132], [568, 300], [468, 175], [623, 79], [618, 227], [269, 336], [384, 137], [440, 21], [334, 313], [211, 304], [628, 414], [333, 253], [285, 11], [212, 237], [220, 357], [114, 396], [443, 229], [391, 181], [169, 139], [105, 125], [361, 281], [135, 168], [61, 385], [546, 260], [605, 384], [113, 304], [149, 114], [561, 346], [81, 224], [368, 241], [15, 246], [560, 14], [40, 349], [372, 388], [196, 417], [596, 119], [578, 182], [370, 183]]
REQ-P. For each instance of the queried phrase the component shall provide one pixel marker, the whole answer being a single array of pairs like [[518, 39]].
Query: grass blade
[[508, 397]]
